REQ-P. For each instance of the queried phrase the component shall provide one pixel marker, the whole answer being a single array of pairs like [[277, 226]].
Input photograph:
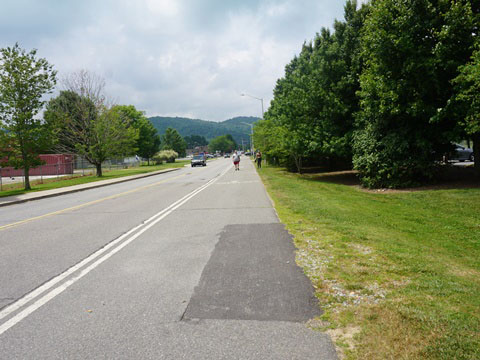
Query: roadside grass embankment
[[396, 273], [77, 179]]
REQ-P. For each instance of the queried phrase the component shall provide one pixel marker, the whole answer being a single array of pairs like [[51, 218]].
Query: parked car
[[462, 153], [198, 160], [226, 156]]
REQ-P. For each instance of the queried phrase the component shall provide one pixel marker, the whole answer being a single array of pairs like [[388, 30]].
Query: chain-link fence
[[77, 166], [82, 166]]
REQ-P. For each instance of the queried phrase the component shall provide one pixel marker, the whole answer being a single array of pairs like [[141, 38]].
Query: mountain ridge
[[209, 129]]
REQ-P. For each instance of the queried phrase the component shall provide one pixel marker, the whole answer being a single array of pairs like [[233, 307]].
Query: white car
[[198, 160]]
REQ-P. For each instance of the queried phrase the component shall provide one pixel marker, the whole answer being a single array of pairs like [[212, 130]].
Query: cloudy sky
[[188, 58]]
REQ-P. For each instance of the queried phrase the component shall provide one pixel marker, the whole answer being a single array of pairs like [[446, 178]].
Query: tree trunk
[[298, 163], [148, 161], [476, 154], [26, 173], [99, 170]]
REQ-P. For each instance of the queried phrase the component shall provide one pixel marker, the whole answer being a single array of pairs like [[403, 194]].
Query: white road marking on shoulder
[[237, 182], [147, 224]]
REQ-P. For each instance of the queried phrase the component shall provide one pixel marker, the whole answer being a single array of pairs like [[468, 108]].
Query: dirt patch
[[347, 177], [471, 274], [345, 337], [365, 250]]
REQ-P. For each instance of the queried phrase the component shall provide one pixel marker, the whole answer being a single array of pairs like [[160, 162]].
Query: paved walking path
[[196, 267]]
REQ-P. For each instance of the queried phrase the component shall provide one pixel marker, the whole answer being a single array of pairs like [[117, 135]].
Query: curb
[[92, 185]]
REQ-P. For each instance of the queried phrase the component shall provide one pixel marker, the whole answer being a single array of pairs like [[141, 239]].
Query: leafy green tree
[[195, 140], [413, 50], [87, 126], [333, 102], [223, 143], [268, 138], [72, 115], [289, 111], [468, 94], [148, 142], [454, 47], [230, 138], [24, 79], [109, 137], [315, 103], [172, 140]]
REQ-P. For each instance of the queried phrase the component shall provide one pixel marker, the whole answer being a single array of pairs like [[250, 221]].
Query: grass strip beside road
[[77, 179], [397, 273]]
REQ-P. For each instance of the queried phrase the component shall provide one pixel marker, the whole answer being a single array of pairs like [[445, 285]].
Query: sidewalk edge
[[71, 191]]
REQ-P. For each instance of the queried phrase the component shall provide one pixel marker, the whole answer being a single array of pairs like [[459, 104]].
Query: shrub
[[165, 155]]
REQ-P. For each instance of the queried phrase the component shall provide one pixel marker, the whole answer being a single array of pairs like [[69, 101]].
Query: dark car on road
[[462, 153], [198, 160]]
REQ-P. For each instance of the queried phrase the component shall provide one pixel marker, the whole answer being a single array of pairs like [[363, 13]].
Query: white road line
[[147, 224]]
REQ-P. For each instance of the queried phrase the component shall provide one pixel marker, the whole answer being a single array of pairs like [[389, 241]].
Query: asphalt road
[[192, 264]]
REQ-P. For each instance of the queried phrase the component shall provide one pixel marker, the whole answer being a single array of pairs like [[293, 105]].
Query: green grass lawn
[[397, 273], [54, 183]]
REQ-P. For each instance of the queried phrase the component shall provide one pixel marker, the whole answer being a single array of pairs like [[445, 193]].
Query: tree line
[[237, 127], [387, 92], [79, 120]]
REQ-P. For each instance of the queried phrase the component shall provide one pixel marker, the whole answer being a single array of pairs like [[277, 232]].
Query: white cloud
[[185, 58], [162, 7]]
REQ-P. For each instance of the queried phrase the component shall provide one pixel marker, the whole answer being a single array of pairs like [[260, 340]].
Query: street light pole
[[254, 97], [251, 125], [252, 148]]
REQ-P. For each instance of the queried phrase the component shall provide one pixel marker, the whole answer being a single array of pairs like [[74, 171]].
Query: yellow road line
[[88, 203]]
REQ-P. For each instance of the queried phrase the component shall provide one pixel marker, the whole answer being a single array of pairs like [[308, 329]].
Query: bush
[[165, 155], [395, 160]]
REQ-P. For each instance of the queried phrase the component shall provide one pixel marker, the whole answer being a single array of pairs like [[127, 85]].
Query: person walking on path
[[258, 159], [236, 160]]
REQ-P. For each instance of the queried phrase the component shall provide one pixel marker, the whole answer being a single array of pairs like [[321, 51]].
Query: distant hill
[[208, 129]]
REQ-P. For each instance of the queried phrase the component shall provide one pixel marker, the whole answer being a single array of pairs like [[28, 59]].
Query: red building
[[55, 164]]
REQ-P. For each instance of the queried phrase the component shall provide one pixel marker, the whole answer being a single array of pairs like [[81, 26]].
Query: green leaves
[[314, 104], [224, 144], [24, 79], [148, 141], [111, 137], [377, 91], [195, 140], [468, 92], [467, 98], [92, 130], [172, 140], [413, 49]]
